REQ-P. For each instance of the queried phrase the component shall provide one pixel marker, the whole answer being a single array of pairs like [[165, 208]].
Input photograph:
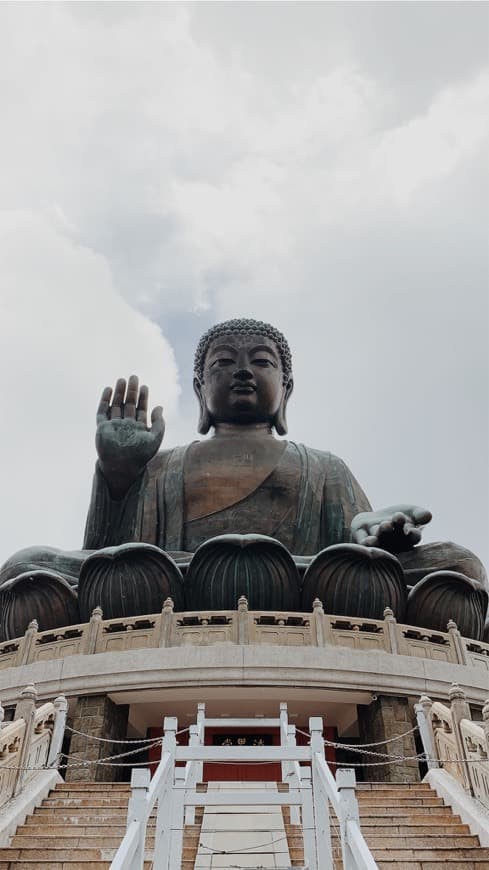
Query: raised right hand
[[123, 440]]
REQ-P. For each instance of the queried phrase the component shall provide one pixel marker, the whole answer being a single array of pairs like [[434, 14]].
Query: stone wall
[[383, 719], [97, 716]]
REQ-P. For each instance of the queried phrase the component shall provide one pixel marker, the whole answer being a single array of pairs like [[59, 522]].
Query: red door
[[254, 772]]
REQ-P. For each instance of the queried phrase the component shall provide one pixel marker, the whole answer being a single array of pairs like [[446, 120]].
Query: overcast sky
[[319, 165]]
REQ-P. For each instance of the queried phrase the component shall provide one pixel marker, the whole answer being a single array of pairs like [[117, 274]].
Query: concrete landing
[[242, 837]]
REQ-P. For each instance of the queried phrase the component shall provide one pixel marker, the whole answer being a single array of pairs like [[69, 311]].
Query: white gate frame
[[312, 788]]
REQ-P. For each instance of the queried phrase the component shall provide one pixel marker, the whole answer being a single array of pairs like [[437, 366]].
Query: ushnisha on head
[[243, 375]]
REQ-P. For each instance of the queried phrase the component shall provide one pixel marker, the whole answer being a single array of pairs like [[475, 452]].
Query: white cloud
[[149, 169], [64, 333]]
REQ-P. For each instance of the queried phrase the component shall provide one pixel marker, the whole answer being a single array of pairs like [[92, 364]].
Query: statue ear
[[205, 422], [280, 421]]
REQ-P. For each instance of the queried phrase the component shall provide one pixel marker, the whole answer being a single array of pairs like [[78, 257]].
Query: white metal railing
[[31, 743], [145, 795], [453, 741], [312, 790]]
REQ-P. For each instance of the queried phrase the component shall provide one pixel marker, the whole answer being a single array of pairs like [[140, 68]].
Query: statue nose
[[243, 374]]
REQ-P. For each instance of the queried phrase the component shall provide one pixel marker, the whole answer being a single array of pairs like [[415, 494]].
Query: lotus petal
[[445, 595], [256, 566], [352, 580], [129, 580], [42, 595]]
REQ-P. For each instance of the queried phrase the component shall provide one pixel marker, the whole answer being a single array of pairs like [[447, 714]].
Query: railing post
[[293, 775], [136, 811], [26, 710], [93, 631], [61, 707], [199, 765], [485, 724], [460, 709], [321, 808], [423, 718], [284, 722], [346, 781], [329, 635], [164, 814], [176, 841], [191, 779], [243, 620], [391, 630], [166, 626], [310, 853], [201, 718], [27, 644], [318, 622], [457, 643], [174, 807]]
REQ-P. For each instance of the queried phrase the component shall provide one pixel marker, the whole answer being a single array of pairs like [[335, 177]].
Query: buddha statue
[[240, 511]]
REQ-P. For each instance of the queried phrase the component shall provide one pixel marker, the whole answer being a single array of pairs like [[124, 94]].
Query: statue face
[[243, 380]]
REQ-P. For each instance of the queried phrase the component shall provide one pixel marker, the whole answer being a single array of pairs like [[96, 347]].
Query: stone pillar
[[98, 716], [381, 720]]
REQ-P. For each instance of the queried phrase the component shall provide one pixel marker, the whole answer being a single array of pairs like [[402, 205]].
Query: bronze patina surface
[[241, 481]]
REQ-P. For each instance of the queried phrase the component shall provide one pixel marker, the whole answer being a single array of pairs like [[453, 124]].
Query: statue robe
[[315, 498]]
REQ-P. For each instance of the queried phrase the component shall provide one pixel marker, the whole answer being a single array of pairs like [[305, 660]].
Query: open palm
[[124, 441]]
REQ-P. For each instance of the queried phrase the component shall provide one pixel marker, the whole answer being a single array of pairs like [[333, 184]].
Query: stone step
[[394, 786], [97, 794], [92, 786], [441, 855], [33, 863], [56, 855], [107, 840], [378, 810], [373, 800], [117, 803], [75, 818], [426, 842], [392, 792], [73, 830], [416, 830], [428, 865]]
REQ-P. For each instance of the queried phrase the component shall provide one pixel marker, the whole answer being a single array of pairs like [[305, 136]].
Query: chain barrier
[[112, 760], [362, 747], [108, 740], [384, 742], [392, 759]]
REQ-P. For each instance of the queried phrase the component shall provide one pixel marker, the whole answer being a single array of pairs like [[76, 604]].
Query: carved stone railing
[[31, 743], [456, 743], [242, 626]]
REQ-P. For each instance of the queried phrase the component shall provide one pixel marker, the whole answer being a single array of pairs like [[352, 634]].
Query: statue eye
[[224, 361], [261, 361]]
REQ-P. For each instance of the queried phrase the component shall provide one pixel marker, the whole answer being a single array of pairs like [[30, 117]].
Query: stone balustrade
[[458, 744], [242, 626], [30, 743]]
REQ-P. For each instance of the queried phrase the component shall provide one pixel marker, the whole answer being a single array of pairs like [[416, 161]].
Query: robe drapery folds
[[325, 498]]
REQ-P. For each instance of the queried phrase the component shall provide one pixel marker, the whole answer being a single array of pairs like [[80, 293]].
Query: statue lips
[[243, 389]]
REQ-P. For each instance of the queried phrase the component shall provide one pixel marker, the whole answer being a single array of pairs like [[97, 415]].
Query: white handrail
[[144, 797], [328, 783], [127, 849], [455, 742], [31, 743], [174, 791], [159, 780], [361, 853]]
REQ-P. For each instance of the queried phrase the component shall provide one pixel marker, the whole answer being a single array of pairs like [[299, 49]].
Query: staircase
[[408, 827], [80, 825]]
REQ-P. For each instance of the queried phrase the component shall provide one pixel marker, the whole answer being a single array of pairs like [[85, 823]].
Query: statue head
[[243, 375]]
